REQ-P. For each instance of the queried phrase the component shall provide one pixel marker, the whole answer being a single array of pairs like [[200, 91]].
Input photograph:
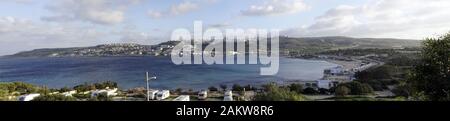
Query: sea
[[129, 72]]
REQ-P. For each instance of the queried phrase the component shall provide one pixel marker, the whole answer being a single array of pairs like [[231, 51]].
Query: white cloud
[[413, 19], [130, 34], [276, 7], [19, 1], [106, 12], [20, 34], [178, 9]]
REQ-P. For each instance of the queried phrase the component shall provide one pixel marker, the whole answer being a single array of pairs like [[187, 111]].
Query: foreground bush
[[276, 93]]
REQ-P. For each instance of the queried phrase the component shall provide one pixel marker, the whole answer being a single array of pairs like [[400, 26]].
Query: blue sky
[[31, 24]]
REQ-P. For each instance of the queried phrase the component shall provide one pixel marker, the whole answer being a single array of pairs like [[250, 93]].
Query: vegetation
[[54, 98], [310, 91], [342, 91], [101, 97], [237, 87], [87, 87], [357, 88], [274, 92], [212, 88], [298, 88], [19, 88], [430, 78]]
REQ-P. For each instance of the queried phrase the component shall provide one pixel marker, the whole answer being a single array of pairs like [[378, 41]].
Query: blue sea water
[[129, 72]]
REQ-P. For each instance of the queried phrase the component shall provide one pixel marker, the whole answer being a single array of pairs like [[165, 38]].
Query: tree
[[431, 76], [212, 88], [237, 87], [342, 91], [223, 87]]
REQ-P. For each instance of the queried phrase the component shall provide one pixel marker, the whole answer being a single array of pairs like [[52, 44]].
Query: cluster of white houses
[[332, 77]]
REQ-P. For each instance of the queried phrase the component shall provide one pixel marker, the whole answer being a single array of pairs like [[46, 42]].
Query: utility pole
[[148, 89]]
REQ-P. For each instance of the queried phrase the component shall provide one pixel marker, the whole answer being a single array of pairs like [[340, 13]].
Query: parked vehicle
[[161, 95], [152, 94]]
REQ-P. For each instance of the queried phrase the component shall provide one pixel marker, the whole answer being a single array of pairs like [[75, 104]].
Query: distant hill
[[303, 45], [317, 44]]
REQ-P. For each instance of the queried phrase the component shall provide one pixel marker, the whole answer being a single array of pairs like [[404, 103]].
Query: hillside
[[318, 44]]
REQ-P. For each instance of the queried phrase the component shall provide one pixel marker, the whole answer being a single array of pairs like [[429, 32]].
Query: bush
[[275, 93], [357, 88], [296, 88], [87, 87], [342, 91]]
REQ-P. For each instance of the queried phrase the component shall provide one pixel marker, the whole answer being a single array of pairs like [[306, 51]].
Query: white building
[[326, 84], [318, 84], [182, 98], [28, 97]]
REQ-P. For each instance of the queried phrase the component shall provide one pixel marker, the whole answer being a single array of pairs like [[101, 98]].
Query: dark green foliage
[[431, 77], [310, 91], [223, 87], [275, 93], [296, 88], [87, 87], [237, 87]]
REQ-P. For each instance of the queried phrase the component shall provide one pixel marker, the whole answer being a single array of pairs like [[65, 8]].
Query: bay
[[129, 72]]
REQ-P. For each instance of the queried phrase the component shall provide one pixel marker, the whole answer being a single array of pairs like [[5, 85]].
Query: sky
[[32, 24]]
